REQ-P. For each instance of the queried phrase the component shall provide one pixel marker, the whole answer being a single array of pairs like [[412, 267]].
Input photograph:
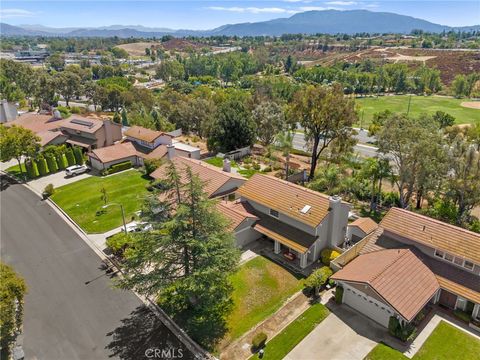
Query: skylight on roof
[[305, 209]]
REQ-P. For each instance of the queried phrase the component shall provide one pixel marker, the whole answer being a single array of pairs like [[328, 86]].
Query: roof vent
[[305, 209]]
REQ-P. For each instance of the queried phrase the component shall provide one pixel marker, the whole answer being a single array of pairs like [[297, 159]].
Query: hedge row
[[49, 163], [117, 168]]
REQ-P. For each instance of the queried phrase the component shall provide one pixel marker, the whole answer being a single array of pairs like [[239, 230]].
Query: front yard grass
[[260, 288], [446, 342], [82, 199], [278, 347]]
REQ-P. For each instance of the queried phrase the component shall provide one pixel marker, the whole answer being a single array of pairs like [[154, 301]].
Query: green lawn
[[260, 288], [82, 199], [218, 162], [278, 347], [445, 343], [419, 104], [15, 170]]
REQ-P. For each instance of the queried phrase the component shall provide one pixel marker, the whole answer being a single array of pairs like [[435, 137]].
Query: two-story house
[[300, 222], [409, 261], [90, 133]]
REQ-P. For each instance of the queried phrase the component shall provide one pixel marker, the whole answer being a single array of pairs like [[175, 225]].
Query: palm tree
[[285, 143]]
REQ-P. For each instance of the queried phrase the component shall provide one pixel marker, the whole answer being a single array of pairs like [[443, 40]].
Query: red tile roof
[[213, 177], [36, 122], [144, 134], [287, 198], [433, 233], [114, 152], [235, 214], [367, 225], [397, 275]]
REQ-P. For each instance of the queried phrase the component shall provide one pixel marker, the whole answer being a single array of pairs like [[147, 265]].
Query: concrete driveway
[[343, 335], [58, 179]]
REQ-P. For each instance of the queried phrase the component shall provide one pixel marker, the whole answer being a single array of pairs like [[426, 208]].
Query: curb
[[197, 351]]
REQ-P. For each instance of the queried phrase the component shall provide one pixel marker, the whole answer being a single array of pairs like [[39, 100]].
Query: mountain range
[[310, 22]]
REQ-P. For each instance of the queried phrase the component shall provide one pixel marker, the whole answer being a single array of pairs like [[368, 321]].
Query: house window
[[468, 265], [448, 257], [458, 261], [274, 213], [439, 253]]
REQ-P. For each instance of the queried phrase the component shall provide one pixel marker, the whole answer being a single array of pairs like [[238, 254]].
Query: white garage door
[[360, 302]]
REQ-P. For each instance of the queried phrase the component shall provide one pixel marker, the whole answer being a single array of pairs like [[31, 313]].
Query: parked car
[[138, 227], [75, 170]]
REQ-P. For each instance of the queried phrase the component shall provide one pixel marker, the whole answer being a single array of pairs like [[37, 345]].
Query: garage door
[[361, 303]]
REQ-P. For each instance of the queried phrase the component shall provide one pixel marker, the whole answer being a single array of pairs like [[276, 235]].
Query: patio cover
[[285, 234]]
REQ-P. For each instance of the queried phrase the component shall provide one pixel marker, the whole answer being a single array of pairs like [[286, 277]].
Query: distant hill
[[310, 22]]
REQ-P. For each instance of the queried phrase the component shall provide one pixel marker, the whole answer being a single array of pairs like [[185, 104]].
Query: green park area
[[82, 200], [368, 106]]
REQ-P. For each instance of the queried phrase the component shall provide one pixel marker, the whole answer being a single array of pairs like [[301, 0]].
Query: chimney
[[108, 131], [56, 114], [170, 152], [227, 166], [338, 221]]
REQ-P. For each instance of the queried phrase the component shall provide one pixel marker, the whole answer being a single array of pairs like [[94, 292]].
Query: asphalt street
[[71, 309]]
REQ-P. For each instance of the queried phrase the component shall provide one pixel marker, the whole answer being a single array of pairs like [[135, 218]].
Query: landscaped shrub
[[151, 165], [61, 161], [42, 166], [256, 166], [119, 242], [117, 168], [51, 163], [32, 169], [404, 333], [77, 152], [339, 295], [318, 278], [259, 340], [267, 169], [49, 190], [70, 157], [328, 255]]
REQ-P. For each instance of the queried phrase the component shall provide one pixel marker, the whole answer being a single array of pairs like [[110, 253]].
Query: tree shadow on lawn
[[139, 336]]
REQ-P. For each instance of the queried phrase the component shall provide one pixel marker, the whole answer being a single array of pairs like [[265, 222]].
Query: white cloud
[[341, 3], [254, 10], [15, 13]]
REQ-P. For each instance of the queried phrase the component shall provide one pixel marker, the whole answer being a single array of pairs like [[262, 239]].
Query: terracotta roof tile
[[114, 152], [144, 134], [86, 124], [365, 224], [287, 198], [433, 233], [397, 275], [213, 177], [36, 122], [235, 214]]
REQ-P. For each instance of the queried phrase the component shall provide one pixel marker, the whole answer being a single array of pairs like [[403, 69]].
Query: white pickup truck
[[75, 170]]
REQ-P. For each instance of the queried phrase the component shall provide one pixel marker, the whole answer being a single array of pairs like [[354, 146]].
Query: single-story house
[[360, 228], [410, 261], [185, 150], [218, 183], [300, 222], [105, 157]]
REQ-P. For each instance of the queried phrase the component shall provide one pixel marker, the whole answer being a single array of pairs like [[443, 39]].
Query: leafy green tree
[[318, 278], [375, 170], [460, 86], [463, 182], [326, 115], [285, 143], [56, 61], [12, 292], [170, 70], [233, 127], [186, 262], [68, 84], [270, 120], [17, 141], [416, 147], [443, 119]]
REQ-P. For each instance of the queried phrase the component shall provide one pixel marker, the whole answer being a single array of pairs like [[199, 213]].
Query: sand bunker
[[471, 104]]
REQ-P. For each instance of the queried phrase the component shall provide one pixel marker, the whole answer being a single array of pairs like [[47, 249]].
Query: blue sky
[[201, 14]]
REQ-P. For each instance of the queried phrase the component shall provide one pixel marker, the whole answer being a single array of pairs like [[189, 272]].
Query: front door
[[447, 299]]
